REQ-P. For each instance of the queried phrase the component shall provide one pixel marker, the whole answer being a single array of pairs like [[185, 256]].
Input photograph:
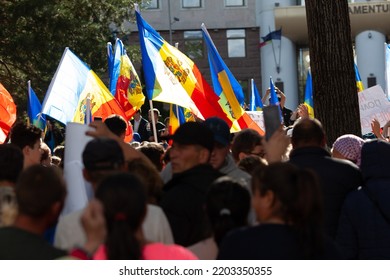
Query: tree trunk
[[335, 95]]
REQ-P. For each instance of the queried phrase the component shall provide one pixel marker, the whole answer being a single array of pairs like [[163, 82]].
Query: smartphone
[[272, 120], [99, 119]]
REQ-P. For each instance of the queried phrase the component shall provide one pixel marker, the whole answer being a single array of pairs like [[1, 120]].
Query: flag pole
[[273, 51], [153, 121]]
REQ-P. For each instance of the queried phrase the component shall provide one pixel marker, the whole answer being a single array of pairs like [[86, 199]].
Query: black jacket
[[363, 232], [142, 129], [337, 178], [183, 203]]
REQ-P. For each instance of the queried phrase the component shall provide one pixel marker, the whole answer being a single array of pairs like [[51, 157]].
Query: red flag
[[7, 113]]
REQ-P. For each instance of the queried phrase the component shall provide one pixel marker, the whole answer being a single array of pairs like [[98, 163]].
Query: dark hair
[[227, 206], [245, 141], [298, 192], [250, 163], [307, 132], [11, 162], [124, 202], [23, 135], [116, 124], [149, 176], [154, 152], [37, 188]]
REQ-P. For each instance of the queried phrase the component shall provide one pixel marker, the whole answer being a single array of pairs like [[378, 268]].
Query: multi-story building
[[236, 27]]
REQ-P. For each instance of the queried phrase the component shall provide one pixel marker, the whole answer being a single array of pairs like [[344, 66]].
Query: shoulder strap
[[373, 199]]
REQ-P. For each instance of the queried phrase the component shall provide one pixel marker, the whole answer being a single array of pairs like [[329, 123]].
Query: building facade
[[236, 27]]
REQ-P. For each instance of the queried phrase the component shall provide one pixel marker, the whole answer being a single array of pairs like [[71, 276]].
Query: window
[[234, 3], [152, 4], [193, 44], [192, 3], [236, 42]]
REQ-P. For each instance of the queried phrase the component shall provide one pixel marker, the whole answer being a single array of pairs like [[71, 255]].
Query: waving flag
[[255, 103], [359, 83], [176, 118], [309, 95], [73, 83], [7, 113], [170, 76], [124, 81], [225, 86], [274, 35], [34, 109]]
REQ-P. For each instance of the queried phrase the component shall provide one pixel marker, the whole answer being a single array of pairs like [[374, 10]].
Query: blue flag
[[255, 103], [34, 108]]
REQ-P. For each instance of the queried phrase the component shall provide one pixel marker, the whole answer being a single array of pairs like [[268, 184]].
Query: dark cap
[[220, 130], [102, 154], [194, 133]]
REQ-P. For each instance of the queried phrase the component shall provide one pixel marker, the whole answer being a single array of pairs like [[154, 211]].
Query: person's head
[[40, 193], [46, 154], [28, 138], [117, 125], [124, 201], [308, 132], [156, 114], [192, 145], [11, 163], [375, 159], [149, 176], [348, 147], [227, 206], [101, 156], [59, 151], [247, 142], [284, 193], [221, 134], [250, 163], [153, 151], [137, 115]]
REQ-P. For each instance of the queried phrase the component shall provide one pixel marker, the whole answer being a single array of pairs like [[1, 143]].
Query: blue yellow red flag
[[172, 77], [359, 83], [125, 84], [225, 86], [73, 83], [309, 95]]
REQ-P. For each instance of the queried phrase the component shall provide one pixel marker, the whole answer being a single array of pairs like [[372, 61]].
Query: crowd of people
[[205, 194]]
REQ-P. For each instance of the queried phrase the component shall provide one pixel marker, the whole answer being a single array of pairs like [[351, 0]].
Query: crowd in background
[[201, 193]]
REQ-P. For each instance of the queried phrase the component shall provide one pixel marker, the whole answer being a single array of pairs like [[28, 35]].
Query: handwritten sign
[[257, 117], [373, 104]]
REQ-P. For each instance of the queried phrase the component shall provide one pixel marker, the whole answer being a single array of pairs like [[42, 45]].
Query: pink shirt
[[155, 251]]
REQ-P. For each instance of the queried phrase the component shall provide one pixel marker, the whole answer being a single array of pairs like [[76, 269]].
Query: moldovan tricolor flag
[[225, 86], [124, 81], [309, 102], [73, 83], [170, 76], [7, 113]]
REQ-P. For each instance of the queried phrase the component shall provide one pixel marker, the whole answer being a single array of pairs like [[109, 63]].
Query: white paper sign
[[257, 117], [373, 104], [79, 191]]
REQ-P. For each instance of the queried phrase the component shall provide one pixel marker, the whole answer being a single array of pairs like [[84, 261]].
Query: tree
[[335, 96], [34, 34]]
